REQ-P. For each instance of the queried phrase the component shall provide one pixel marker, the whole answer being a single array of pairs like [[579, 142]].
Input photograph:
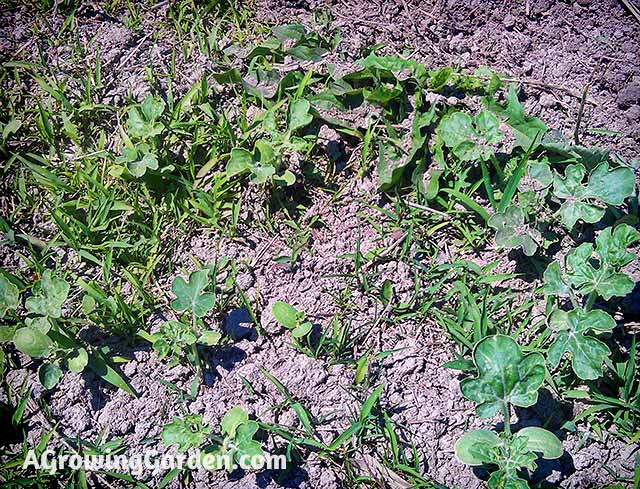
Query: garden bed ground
[[554, 49]]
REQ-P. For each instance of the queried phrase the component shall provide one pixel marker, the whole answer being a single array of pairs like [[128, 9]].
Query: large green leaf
[[587, 352], [51, 295], [585, 273], [505, 376], [190, 295], [586, 202], [585, 278], [9, 296]]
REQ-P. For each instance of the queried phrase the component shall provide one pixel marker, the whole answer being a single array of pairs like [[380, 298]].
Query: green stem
[[194, 347], [507, 418], [591, 299]]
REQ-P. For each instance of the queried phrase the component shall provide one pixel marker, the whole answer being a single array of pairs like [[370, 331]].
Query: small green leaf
[[240, 161], [512, 232], [234, 418], [9, 296], [190, 295], [302, 330], [285, 314], [611, 245], [49, 299], [142, 119], [139, 167], [188, 432], [554, 283], [78, 360], [49, 375], [299, 114], [210, 338]]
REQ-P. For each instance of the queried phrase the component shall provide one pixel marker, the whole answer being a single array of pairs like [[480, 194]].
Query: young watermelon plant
[[506, 377]]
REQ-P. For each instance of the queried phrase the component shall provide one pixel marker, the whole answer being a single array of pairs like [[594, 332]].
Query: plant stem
[[507, 418], [194, 347], [591, 299]]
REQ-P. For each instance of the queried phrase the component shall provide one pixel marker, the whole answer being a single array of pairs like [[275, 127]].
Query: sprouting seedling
[[237, 441], [176, 338], [292, 319], [140, 151], [41, 334], [264, 164], [187, 432], [505, 377]]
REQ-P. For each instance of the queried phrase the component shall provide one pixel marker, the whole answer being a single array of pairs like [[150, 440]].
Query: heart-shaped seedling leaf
[[188, 432], [286, 314], [470, 139], [51, 295], [541, 441], [587, 352], [49, 375], [77, 360], [234, 418], [190, 295], [299, 115], [505, 376], [586, 202], [142, 123], [9, 296], [210, 338], [512, 232], [477, 447]]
